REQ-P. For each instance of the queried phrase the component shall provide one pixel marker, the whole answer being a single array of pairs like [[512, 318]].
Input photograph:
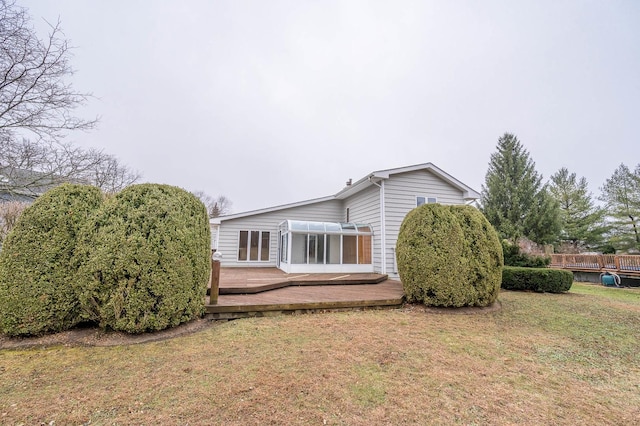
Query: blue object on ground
[[608, 280]]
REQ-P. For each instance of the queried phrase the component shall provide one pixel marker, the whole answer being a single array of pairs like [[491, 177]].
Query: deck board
[[312, 292]]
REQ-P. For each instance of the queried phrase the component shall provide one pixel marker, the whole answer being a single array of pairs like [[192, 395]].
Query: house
[[25, 185], [352, 231]]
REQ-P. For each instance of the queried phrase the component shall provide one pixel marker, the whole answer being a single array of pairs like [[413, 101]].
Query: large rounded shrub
[[449, 256], [145, 259], [36, 276]]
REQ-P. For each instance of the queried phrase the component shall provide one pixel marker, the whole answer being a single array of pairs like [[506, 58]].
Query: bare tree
[[108, 174], [35, 98], [30, 168], [36, 113], [9, 213], [219, 206]]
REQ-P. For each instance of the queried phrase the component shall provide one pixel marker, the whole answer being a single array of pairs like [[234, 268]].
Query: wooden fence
[[620, 264]]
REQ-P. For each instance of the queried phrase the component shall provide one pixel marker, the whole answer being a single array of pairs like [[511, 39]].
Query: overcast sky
[[271, 102]]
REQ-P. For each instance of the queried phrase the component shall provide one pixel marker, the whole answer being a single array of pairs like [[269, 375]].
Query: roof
[[372, 178], [217, 220], [467, 192], [25, 185]]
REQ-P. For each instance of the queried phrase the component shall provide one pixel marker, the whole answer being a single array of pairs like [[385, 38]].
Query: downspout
[[383, 233]]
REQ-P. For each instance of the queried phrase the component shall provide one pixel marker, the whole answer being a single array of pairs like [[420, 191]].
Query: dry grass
[[543, 359]]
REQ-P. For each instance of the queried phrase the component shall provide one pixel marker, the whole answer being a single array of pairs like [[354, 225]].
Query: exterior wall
[[400, 192], [400, 198], [326, 211], [364, 207]]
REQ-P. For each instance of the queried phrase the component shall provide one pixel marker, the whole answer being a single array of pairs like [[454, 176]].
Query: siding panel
[[364, 207], [400, 198]]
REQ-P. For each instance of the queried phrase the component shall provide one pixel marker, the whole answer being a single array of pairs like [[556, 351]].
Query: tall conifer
[[621, 192], [514, 200], [581, 221]]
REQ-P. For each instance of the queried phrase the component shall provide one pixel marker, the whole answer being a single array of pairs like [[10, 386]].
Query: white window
[[254, 246], [420, 200]]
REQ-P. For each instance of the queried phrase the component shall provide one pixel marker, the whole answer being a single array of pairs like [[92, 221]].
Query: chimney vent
[[349, 182]]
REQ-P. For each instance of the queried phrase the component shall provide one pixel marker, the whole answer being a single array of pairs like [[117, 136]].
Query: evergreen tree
[[581, 221], [621, 192], [513, 198]]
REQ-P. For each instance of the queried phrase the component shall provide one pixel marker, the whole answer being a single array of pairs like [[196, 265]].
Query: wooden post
[[215, 278]]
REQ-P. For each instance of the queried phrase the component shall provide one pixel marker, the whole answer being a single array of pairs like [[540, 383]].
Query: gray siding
[[326, 211], [364, 207], [400, 193]]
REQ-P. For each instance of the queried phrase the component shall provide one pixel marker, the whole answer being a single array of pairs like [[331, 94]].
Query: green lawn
[[542, 359]]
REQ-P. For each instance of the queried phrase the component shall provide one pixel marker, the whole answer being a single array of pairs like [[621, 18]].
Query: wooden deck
[[262, 291], [623, 265]]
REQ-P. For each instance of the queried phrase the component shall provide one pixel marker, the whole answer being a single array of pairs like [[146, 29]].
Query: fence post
[[215, 277]]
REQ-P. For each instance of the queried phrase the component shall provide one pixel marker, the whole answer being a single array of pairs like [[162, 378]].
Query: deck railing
[[621, 264]]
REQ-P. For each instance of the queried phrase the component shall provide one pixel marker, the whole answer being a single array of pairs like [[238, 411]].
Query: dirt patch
[[94, 336]]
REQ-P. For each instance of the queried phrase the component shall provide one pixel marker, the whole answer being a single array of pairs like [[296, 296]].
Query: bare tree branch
[[219, 206], [9, 213], [35, 99], [36, 113]]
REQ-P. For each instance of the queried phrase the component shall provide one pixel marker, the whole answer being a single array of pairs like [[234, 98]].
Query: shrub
[[36, 277], [145, 259], [536, 279], [513, 257], [449, 256]]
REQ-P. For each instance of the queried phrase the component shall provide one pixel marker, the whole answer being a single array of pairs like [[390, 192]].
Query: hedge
[[37, 281], [536, 279], [145, 259], [449, 256]]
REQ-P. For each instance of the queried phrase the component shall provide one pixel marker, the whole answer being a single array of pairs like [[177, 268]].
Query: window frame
[[426, 200], [260, 245]]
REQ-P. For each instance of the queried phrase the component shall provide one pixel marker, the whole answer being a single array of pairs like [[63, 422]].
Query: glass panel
[[348, 228], [253, 247], [432, 200], [313, 248], [349, 249], [299, 248], [264, 247], [332, 227], [298, 225], [316, 226], [333, 249], [242, 245], [364, 249], [320, 249], [284, 240], [420, 201], [363, 228]]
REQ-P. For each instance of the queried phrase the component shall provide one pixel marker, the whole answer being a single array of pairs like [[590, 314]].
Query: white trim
[[297, 268], [426, 200], [383, 230]]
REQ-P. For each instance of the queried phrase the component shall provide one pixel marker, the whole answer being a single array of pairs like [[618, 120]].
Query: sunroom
[[329, 247]]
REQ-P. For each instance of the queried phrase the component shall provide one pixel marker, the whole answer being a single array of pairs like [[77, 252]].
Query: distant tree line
[[561, 211]]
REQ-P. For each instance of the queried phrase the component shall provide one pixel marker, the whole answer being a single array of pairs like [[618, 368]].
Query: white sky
[[271, 102]]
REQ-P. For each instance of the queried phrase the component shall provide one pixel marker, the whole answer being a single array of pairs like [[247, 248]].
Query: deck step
[[303, 280], [308, 297]]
